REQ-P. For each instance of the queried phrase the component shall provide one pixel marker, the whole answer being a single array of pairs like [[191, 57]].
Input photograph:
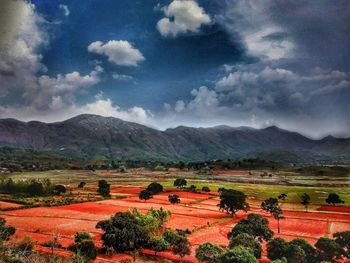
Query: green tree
[[181, 248], [305, 200], [276, 248], [232, 201], [248, 241], [272, 206], [145, 195], [206, 189], [310, 252], [35, 188], [295, 254], [209, 253], [5, 230], [103, 188], [343, 239], [172, 237], [155, 188], [158, 244], [255, 225], [334, 199], [59, 189], [84, 246], [328, 249], [80, 236], [180, 183], [153, 221], [174, 199], [238, 255], [122, 232]]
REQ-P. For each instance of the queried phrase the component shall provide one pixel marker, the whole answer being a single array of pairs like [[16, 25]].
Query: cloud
[[39, 96], [182, 17], [65, 9], [122, 77], [20, 40], [119, 52]]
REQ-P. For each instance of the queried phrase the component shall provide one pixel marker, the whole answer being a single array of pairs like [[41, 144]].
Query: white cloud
[[182, 17], [122, 77], [65, 9], [119, 52]]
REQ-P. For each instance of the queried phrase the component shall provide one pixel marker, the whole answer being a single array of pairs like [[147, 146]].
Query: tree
[[255, 225], [174, 199], [172, 237], [295, 254], [158, 244], [81, 185], [80, 236], [232, 201], [103, 188], [192, 188], [181, 248], [282, 196], [328, 249], [305, 200], [310, 252], [155, 188], [276, 248], [5, 230], [238, 255], [122, 232], [153, 221], [145, 195], [59, 189], [334, 199], [35, 188], [180, 183], [271, 206], [206, 189], [343, 239], [209, 253], [248, 241], [84, 246]]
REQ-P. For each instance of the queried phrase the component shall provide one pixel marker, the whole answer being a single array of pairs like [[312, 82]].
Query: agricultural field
[[198, 211]]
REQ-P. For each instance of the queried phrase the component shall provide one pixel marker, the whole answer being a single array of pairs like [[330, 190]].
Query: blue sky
[[175, 62]]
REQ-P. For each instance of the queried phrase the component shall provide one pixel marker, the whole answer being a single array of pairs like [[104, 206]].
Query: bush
[[174, 199], [145, 195], [276, 248], [209, 253], [155, 188], [238, 255], [158, 244], [59, 189], [206, 189], [5, 230], [248, 241], [103, 188]]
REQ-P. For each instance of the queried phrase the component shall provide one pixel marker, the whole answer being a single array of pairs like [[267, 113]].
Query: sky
[[179, 62]]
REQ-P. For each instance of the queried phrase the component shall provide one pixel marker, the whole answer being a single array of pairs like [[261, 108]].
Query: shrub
[[155, 188], [238, 255]]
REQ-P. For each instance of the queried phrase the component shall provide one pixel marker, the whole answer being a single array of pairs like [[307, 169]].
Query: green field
[[261, 190]]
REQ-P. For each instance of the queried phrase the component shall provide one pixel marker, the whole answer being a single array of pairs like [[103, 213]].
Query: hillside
[[96, 137]]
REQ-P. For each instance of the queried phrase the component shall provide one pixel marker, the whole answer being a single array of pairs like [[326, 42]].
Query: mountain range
[[96, 137]]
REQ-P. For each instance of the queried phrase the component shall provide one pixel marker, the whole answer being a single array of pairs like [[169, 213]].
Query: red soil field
[[196, 213], [7, 205], [340, 209]]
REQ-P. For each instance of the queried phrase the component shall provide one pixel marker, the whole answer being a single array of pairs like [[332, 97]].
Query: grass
[[318, 194]]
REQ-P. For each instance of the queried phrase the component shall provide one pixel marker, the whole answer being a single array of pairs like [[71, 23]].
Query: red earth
[[198, 213]]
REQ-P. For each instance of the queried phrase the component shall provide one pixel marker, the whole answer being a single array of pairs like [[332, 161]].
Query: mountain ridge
[[96, 137]]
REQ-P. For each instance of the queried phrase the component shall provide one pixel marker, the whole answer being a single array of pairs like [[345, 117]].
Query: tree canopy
[[123, 232], [254, 225], [232, 201]]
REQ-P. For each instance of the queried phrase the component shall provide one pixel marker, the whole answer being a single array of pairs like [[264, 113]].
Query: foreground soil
[[197, 212]]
